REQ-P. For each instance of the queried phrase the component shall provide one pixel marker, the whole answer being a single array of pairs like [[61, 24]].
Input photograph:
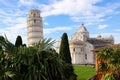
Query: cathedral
[[81, 45]]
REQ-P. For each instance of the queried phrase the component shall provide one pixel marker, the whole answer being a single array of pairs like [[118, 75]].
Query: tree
[[64, 49], [45, 44], [6, 58], [66, 57], [18, 41], [6, 45], [29, 63], [109, 63]]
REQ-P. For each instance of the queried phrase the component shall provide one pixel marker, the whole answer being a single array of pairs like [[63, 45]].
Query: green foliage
[[42, 65], [110, 62], [45, 44], [5, 67], [69, 72], [6, 45], [18, 41], [103, 66], [66, 57], [29, 63], [108, 77], [39, 62], [105, 53], [64, 49]]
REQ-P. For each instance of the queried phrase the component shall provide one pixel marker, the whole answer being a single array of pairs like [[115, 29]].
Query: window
[[34, 21], [82, 49], [74, 49], [34, 15], [86, 56]]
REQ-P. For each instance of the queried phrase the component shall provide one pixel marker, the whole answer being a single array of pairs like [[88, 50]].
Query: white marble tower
[[34, 27]]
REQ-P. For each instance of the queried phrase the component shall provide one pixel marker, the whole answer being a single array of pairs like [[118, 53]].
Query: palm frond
[[45, 44]]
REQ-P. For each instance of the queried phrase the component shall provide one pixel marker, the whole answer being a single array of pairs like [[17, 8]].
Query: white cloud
[[26, 2], [102, 26], [80, 10], [56, 29], [69, 7], [13, 32], [46, 23], [14, 16], [13, 23]]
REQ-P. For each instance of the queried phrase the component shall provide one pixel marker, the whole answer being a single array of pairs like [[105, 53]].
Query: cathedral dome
[[82, 29]]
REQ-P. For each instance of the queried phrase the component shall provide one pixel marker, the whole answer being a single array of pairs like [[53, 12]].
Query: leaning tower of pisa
[[34, 27]]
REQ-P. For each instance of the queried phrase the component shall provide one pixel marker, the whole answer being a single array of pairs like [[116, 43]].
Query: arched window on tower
[[34, 21], [74, 49], [34, 15]]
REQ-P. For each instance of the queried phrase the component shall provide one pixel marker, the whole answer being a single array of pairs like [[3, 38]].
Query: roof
[[82, 29], [99, 42], [111, 46]]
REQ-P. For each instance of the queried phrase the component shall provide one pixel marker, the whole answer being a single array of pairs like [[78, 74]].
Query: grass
[[84, 72]]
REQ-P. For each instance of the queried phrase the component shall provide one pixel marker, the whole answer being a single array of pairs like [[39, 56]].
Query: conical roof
[[82, 29]]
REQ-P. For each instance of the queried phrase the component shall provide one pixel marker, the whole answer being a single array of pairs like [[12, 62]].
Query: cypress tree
[[64, 49], [66, 57], [18, 41]]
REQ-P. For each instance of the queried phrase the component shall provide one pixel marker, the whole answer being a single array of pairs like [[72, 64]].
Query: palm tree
[[39, 62], [45, 44], [104, 56], [35, 64], [6, 58], [7, 46], [109, 63], [108, 76]]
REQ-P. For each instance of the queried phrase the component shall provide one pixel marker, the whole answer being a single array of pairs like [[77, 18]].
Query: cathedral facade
[[82, 46]]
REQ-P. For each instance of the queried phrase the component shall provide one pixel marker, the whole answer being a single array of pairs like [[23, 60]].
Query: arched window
[[74, 49], [34, 21], [34, 15], [86, 56]]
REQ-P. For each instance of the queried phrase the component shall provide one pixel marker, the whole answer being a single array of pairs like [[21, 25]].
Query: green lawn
[[84, 72]]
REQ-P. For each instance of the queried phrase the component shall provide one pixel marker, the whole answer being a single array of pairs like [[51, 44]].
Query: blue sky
[[101, 17]]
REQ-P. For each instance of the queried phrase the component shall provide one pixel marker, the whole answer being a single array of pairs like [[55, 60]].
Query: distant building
[[82, 46], [34, 27]]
